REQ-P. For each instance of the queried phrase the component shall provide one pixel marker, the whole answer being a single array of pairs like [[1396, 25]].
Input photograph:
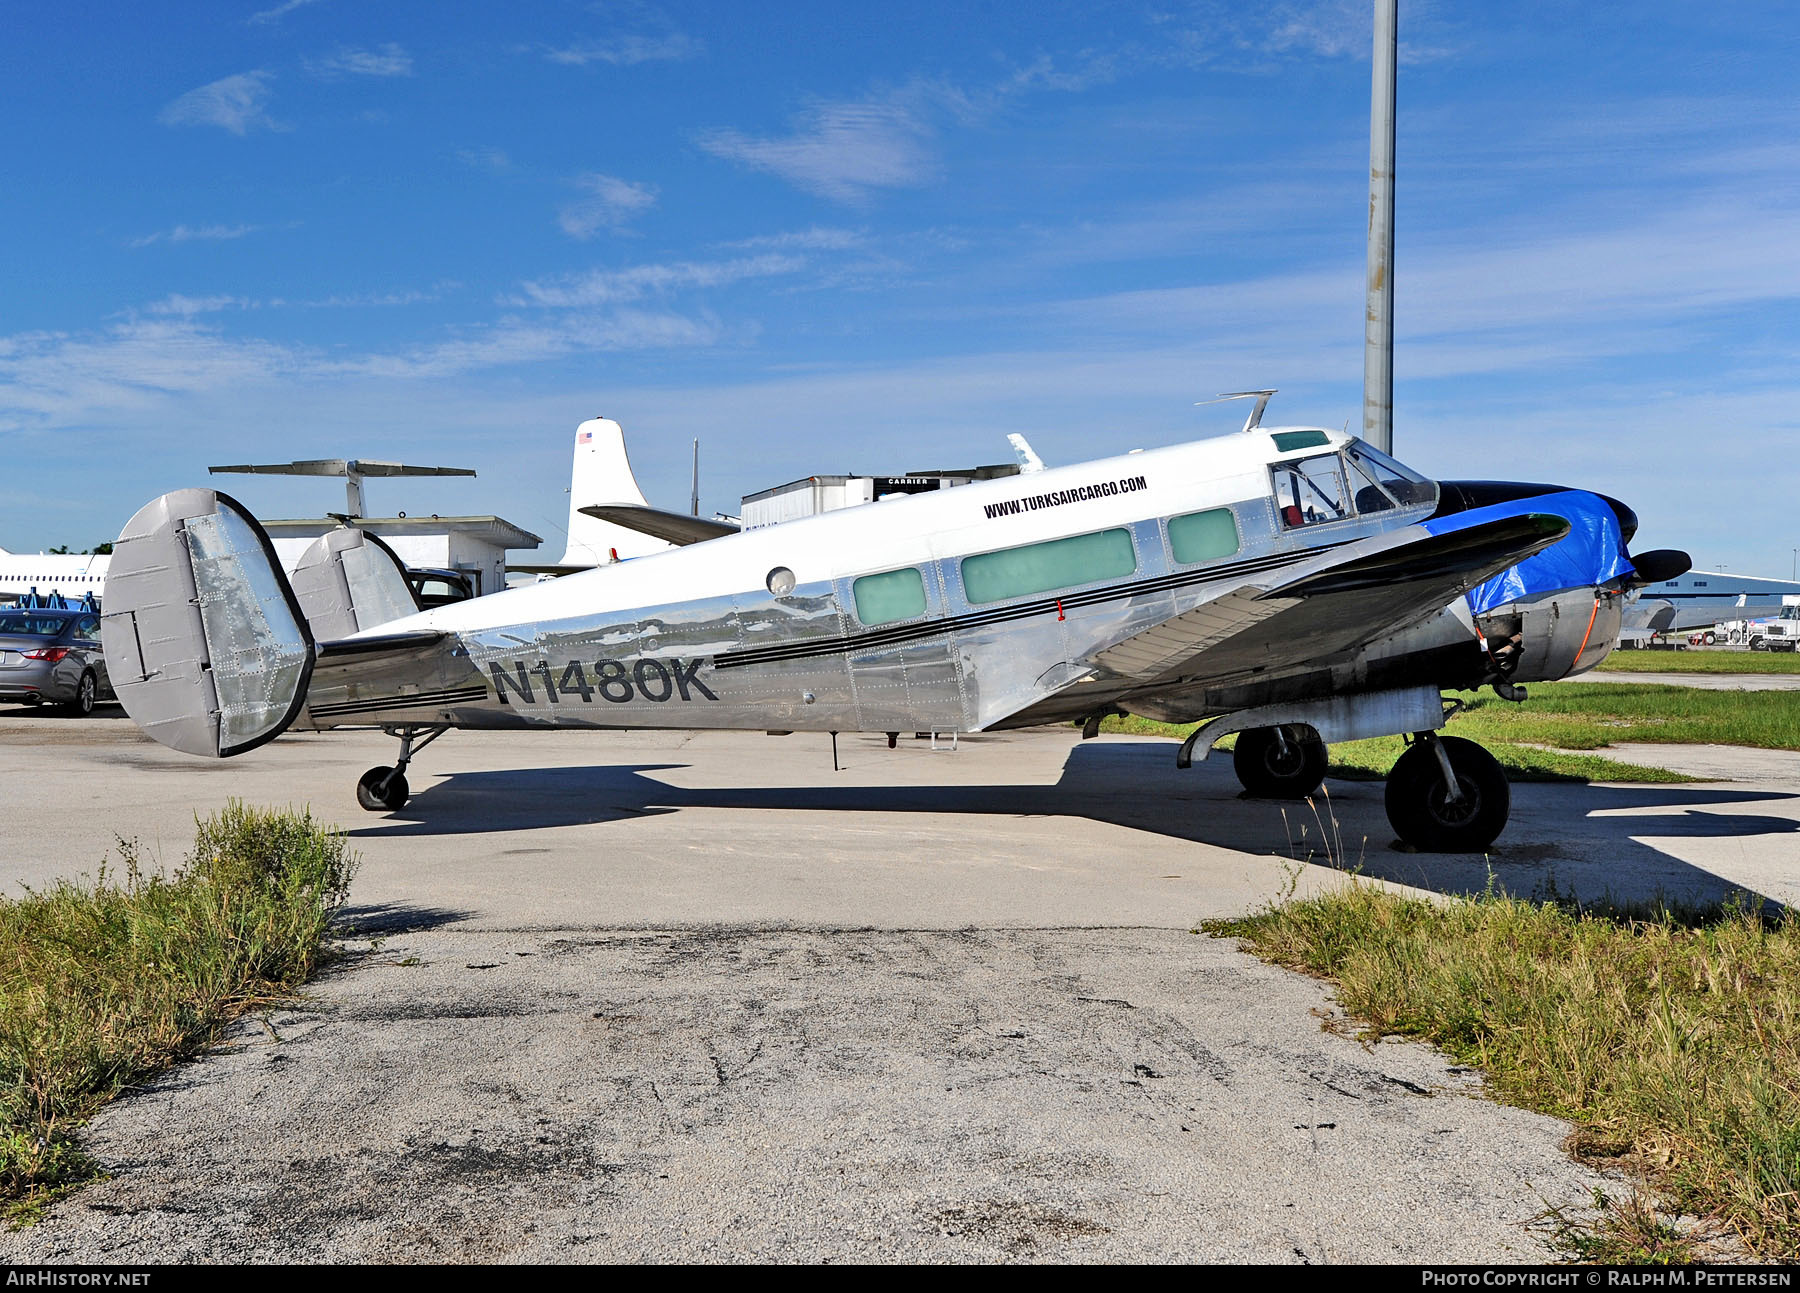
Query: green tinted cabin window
[[896, 595], [1288, 441], [1203, 536], [1039, 567]]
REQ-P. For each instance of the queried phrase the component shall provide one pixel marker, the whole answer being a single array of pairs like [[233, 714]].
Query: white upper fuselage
[[904, 531]]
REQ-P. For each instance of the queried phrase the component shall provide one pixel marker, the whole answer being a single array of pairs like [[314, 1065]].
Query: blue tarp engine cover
[[1592, 553]]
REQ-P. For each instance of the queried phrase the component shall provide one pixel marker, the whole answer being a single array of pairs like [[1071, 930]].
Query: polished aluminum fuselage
[[694, 638]]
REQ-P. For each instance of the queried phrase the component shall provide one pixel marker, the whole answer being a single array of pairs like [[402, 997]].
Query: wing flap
[[1154, 652]]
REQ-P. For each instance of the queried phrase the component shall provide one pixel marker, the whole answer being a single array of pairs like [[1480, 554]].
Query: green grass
[[1673, 1042], [103, 982], [1592, 715], [1546, 737], [1697, 661], [1372, 760]]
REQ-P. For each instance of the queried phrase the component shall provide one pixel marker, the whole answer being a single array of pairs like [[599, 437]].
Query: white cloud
[[380, 300], [141, 368], [487, 159], [847, 150], [615, 286], [1332, 29], [1536, 301], [1214, 30], [814, 239], [389, 60], [841, 151], [609, 203], [515, 341], [62, 379], [196, 233], [626, 51], [188, 306], [279, 12], [235, 103]]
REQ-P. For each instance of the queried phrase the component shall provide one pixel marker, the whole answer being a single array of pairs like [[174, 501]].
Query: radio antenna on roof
[[1255, 418]]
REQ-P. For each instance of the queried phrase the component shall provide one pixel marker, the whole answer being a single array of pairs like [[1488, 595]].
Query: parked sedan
[[52, 657]]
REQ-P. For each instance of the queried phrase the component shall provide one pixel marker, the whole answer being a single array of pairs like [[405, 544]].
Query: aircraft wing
[[671, 527], [1308, 613]]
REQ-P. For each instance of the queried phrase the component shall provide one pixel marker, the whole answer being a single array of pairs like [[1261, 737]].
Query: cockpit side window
[[1310, 491]]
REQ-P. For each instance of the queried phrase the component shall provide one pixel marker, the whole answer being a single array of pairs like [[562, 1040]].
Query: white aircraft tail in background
[[603, 477], [609, 518]]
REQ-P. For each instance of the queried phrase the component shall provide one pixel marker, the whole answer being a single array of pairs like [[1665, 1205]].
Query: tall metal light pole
[[1378, 325]]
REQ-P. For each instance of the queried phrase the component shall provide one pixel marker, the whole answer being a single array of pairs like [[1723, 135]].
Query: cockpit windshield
[[1334, 487], [1403, 483]]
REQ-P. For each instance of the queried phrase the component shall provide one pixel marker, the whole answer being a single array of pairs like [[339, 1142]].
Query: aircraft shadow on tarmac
[[108, 709], [395, 918], [1572, 838]]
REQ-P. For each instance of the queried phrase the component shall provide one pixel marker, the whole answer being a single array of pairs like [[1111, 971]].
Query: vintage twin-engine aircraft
[[1292, 585]]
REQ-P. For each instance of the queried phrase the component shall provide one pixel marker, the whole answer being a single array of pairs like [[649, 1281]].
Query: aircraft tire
[[370, 795], [82, 703], [1417, 802], [1268, 774]]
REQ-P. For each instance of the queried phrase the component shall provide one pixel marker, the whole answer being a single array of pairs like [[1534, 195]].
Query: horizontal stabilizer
[[381, 644], [207, 648], [554, 568], [671, 527], [340, 467]]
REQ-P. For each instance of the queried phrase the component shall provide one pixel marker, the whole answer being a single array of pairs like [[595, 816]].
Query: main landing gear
[[384, 789], [1279, 762], [1447, 795], [1444, 795]]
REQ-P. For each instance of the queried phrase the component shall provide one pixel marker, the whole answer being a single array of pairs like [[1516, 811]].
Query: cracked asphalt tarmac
[[659, 997], [811, 1095]]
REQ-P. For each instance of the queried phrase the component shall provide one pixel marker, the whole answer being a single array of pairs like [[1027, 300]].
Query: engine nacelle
[[1552, 636]]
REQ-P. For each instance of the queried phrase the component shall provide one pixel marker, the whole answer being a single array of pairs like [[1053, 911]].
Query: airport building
[[474, 545], [1699, 589]]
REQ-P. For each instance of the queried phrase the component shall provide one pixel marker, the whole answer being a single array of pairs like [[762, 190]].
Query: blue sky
[[826, 239]]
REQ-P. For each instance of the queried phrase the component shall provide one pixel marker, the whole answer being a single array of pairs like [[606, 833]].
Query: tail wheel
[[382, 790], [1271, 768], [1421, 811], [85, 693]]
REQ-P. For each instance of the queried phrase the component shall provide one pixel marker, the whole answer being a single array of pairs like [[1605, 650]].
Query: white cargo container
[[817, 494]]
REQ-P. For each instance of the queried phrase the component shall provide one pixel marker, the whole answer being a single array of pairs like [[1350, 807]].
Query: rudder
[[207, 648]]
